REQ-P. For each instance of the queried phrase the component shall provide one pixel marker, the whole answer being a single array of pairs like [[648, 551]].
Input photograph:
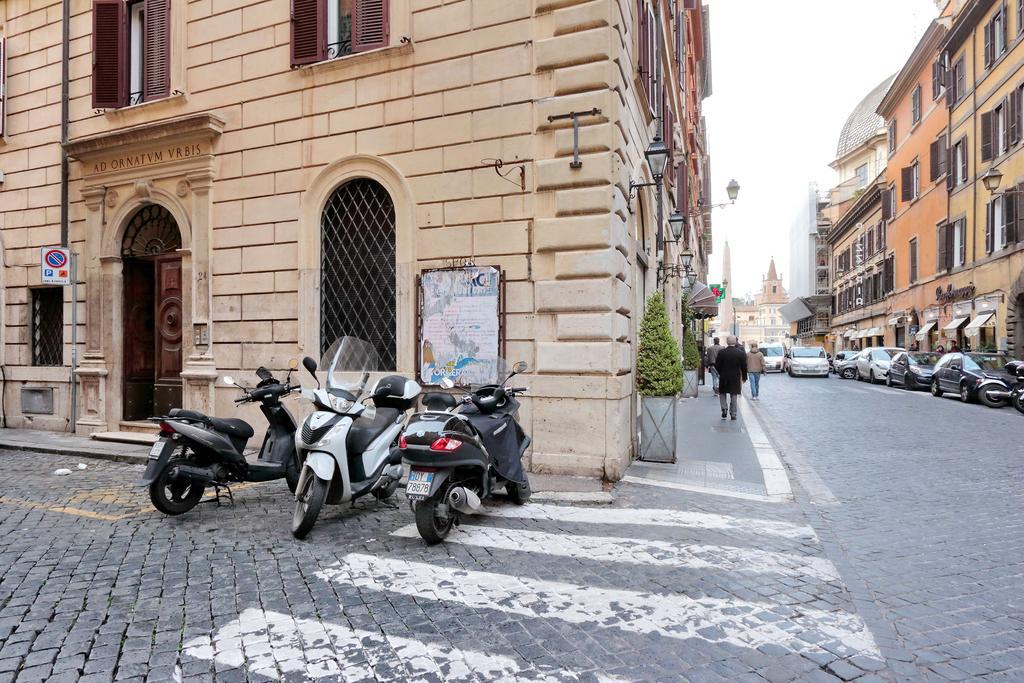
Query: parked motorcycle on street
[[196, 450], [348, 448], [460, 451], [1016, 368]]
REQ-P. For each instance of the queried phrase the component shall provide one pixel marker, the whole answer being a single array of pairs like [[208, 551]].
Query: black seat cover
[[436, 400], [240, 429], [364, 431], [184, 414]]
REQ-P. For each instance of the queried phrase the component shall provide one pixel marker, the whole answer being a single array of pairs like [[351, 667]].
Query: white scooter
[[347, 447]]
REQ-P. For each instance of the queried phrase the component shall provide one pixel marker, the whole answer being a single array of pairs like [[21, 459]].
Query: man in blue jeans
[[755, 368]]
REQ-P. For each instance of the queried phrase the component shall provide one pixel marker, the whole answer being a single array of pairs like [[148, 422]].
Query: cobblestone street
[[898, 560]]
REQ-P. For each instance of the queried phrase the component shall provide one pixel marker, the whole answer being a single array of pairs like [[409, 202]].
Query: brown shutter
[[951, 87], [933, 158], [369, 25], [690, 4], [309, 31], [109, 85], [988, 44], [942, 262], [943, 155], [1010, 216], [1019, 229], [1015, 116], [886, 205], [986, 136], [990, 232], [907, 183], [157, 58]]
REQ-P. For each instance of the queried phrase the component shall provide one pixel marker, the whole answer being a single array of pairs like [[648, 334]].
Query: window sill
[[169, 101], [403, 48]]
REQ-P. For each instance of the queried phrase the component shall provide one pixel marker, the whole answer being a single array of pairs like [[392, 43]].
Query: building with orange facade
[[914, 201]]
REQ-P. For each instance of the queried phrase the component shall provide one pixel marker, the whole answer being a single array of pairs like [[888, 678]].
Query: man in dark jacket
[[731, 364]]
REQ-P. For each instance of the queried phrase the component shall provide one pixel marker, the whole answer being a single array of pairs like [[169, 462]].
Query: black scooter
[[456, 459], [1016, 367], [195, 450]]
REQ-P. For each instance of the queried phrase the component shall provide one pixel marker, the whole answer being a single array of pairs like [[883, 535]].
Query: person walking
[[710, 356], [731, 363], [755, 368]]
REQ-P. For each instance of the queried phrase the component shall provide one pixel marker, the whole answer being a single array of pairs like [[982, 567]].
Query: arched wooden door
[[152, 314]]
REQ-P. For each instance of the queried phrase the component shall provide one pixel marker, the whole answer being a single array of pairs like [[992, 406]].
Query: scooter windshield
[[349, 360], [493, 374]]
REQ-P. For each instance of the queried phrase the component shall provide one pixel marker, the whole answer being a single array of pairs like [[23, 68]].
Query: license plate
[[419, 483], [154, 452]]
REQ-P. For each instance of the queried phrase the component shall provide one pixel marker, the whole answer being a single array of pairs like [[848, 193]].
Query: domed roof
[[863, 122]]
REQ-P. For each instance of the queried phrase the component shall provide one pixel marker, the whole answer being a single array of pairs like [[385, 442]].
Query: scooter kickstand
[[217, 488]]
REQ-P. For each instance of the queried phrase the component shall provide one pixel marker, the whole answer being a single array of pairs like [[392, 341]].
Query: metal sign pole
[[74, 340]]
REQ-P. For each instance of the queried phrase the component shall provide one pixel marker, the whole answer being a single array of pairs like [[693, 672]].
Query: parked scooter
[[348, 448], [1016, 368], [196, 450], [461, 451]]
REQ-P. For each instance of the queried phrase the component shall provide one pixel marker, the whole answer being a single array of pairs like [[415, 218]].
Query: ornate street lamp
[[992, 178], [733, 190], [657, 157], [676, 222], [687, 258]]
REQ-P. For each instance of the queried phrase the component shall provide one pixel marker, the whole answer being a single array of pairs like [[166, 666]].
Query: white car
[[808, 361], [873, 363], [774, 358]]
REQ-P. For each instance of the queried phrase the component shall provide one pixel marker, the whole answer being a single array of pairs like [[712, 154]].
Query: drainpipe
[[974, 147], [65, 238]]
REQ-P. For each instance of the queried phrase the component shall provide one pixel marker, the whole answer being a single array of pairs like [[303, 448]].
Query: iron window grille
[[357, 268], [48, 326]]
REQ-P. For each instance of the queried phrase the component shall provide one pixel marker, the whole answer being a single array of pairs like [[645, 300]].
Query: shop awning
[[955, 324], [795, 311], [982, 320], [895, 320], [922, 334], [861, 334], [850, 334]]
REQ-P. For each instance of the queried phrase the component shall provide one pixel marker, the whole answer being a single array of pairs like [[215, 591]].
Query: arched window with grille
[[357, 268]]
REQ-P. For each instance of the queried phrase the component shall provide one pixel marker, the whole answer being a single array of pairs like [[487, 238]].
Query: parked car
[[847, 367], [973, 376], [774, 357], [873, 363], [808, 361], [912, 369], [842, 360]]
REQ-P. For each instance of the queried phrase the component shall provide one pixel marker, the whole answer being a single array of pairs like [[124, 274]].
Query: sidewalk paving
[[723, 457], [545, 486]]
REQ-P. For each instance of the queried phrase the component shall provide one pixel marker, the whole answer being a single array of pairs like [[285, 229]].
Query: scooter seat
[[184, 414], [240, 429], [364, 431]]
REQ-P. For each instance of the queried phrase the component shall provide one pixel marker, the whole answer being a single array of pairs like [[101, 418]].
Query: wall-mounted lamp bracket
[[575, 116], [498, 164]]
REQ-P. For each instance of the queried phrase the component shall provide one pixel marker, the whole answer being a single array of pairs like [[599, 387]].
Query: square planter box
[[658, 428], [690, 384]]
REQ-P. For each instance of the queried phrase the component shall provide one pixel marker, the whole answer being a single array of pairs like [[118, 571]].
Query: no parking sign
[[56, 265]]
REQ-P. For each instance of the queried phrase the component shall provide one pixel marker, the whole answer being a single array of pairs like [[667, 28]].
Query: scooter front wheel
[[1018, 401], [174, 497], [432, 528], [307, 505]]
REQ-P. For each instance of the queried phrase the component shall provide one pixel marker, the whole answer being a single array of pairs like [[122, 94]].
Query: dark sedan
[[912, 369], [972, 376]]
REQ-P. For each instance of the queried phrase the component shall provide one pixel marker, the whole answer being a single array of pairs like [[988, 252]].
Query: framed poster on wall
[[460, 325]]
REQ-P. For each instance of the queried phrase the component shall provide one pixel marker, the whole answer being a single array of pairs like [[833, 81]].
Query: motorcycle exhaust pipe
[[200, 475], [1000, 394], [464, 500]]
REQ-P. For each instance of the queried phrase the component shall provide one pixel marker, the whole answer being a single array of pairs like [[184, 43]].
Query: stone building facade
[[219, 151]]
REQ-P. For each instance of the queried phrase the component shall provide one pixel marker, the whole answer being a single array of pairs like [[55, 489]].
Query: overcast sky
[[785, 76]]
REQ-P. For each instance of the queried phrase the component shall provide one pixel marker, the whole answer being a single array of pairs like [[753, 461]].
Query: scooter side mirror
[[230, 381], [293, 364], [519, 368], [447, 383], [310, 365]]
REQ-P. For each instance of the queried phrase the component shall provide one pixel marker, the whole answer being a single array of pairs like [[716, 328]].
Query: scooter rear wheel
[[1018, 401], [432, 528], [174, 497], [518, 493], [307, 505]]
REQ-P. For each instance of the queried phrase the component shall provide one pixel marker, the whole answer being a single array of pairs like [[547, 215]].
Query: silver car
[[845, 364], [808, 361], [873, 363], [774, 357]]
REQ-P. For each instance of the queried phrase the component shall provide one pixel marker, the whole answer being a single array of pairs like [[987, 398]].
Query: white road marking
[[638, 551], [776, 482], [647, 481], [732, 621], [651, 517], [273, 644]]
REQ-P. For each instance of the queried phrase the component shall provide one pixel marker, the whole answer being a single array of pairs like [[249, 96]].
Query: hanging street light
[[992, 178], [691, 278], [733, 190], [677, 222], [657, 157], [687, 258]]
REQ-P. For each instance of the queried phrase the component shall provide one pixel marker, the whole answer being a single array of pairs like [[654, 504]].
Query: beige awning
[[922, 334], [850, 334], [955, 324], [875, 332], [982, 320], [895, 320]]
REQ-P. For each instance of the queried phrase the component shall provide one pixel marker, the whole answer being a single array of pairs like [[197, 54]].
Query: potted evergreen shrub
[[659, 379], [691, 353]]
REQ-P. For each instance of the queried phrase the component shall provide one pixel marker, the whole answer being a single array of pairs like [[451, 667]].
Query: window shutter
[[309, 31], [157, 60], [886, 205], [986, 136], [990, 232], [1015, 116], [641, 41], [907, 183], [1019, 224], [369, 25], [108, 54], [690, 4], [933, 158], [988, 44], [942, 262], [1010, 217]]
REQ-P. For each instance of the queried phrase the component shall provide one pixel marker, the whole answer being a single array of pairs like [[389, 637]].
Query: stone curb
[[94, 454]]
